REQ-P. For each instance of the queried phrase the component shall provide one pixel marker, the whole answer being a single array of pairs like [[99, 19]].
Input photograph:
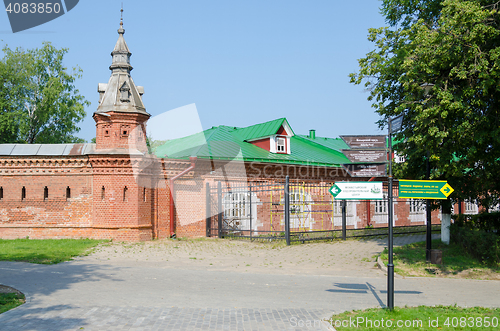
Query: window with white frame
[[416, 206], [470, 207], [236, 205], [281, 145], [337, 207], [240, 212], [300, 209], [381, 206]]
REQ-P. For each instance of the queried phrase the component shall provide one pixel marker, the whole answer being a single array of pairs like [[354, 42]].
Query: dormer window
[[280, 145], [125, 93]]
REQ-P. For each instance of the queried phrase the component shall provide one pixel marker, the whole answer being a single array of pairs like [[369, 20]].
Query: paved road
[[86, 295]]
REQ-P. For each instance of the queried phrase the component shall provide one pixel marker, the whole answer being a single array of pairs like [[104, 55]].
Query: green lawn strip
[[419, 318], [410, 260], [10, 300], [45, 251]]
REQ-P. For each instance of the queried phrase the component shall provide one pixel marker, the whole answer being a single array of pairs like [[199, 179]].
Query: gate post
[[220, 211], [287, 210], [250, 202], [344, 219], [207, 210]]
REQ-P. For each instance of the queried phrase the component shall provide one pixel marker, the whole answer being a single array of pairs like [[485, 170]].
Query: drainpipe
[[368, 212], [171, 186]]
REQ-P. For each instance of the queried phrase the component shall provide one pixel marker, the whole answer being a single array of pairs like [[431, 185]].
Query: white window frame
[[280, 144], [417, 206], [471, 207], [236, 206], [300, 209], [381, 206]]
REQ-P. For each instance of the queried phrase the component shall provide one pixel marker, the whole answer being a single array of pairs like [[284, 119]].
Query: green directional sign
[[424, 189]]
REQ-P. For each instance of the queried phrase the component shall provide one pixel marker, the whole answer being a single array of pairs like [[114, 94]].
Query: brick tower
[[123, 196], [121, 116]]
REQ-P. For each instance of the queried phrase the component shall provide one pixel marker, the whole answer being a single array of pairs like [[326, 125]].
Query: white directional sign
[[357, 191]]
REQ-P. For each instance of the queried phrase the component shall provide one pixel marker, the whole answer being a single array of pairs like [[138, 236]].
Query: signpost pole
[[428, 216], [390, 265], [344, 220]]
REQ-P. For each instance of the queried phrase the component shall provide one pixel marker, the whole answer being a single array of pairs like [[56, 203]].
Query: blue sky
[[240, 62]]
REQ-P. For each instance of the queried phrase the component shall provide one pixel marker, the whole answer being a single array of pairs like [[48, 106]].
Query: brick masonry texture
[[114, 194]]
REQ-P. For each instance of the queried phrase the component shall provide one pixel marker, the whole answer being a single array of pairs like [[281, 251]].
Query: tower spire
[[121, 17], [121, 94]]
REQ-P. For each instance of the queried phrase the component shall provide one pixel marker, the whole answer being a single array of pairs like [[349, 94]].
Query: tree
[[38, 99], [454, 45]]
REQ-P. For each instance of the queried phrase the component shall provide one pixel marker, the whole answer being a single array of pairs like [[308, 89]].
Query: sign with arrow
[[357, 191], [424, 189], [365, 141], [365, 170], [365, 155]]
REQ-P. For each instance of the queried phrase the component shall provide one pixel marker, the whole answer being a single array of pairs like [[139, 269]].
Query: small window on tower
[[23, 193], [1, 193], [125, 93], [45, 193], [68, 193], [280, 145], [103, 193], [125, 189]]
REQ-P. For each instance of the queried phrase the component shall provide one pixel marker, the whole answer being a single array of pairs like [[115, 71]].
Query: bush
[[480, 244], [489, 222]]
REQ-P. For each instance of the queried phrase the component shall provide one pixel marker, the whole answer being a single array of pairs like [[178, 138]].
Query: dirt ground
[[326, 258]]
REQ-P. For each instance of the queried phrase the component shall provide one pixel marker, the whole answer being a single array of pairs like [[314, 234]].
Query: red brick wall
[[119, 209], [35, 216]]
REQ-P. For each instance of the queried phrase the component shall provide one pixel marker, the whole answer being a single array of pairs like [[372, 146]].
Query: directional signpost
[[368, 156], [366, 170], [365, 141], [365, 155], [424, 189], [357, 191]]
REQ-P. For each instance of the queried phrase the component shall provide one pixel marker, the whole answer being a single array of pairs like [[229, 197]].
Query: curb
[[27, 298], [382, 267]]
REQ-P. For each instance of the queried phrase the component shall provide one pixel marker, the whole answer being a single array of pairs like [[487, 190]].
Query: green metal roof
[[227, 143], [262, 129]]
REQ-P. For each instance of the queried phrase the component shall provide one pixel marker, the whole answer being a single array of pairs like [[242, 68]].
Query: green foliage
[[47, 251], [455, 45], [38, 99], [480, 244], [489, 222], [10, 300], [418, 318]]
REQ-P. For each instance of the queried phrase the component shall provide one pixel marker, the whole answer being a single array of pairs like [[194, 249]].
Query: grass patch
[[45, 251], [409, 260], [10, 300], [419, 318]]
